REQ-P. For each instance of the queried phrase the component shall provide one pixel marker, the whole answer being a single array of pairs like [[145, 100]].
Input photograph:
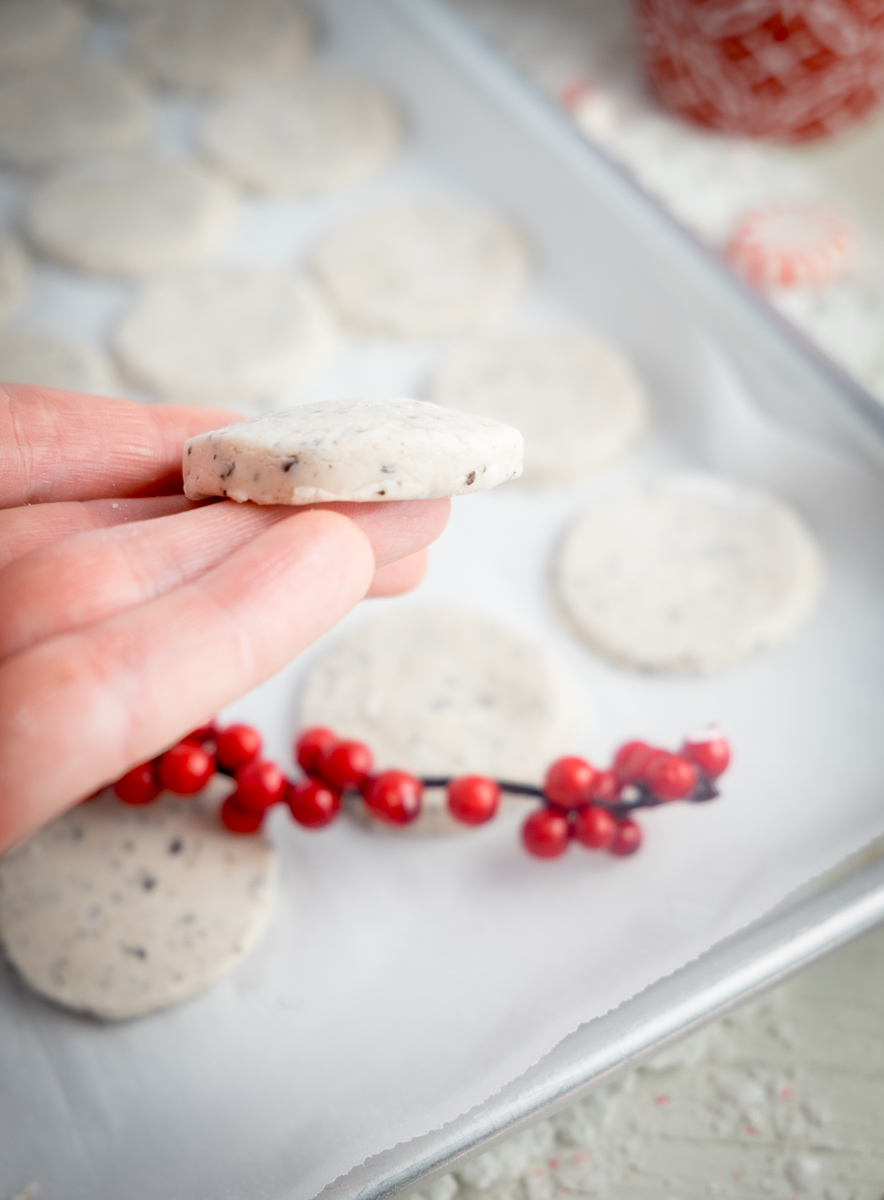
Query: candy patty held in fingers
[[354, 450]]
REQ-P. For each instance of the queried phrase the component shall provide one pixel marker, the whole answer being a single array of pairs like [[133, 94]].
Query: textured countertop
[[782, 1099]]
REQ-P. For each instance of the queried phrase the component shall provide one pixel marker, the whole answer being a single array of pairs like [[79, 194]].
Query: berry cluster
[[593, 807], [578, 801]]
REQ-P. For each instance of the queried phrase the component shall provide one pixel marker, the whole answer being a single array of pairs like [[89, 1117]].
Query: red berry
[[260, 784], [669, 776], [205, 733], [238, 819], [605, 787], [473, 799], [394, 796], [630, 761], [627, 839], [138, 786], [545, 833], [595, 827], [708, 750], [312, 747], [185, 769], [237, 745], [569, 782], [347, 765], [313, 804]]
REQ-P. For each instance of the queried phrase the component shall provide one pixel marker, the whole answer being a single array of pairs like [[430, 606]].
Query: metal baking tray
[[88, 1111]]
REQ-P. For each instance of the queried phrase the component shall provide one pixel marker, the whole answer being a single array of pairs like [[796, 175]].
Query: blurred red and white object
[[797, 244], [788, 70]]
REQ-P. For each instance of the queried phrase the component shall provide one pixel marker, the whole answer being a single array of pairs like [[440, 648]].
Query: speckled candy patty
[[224, 335], [422, 269], [364, 450], [439, 690], [689, 574], [219, 45], [36, 30], [303, 136], [135, 214], [116, 911], [57, 112], [576, 399]]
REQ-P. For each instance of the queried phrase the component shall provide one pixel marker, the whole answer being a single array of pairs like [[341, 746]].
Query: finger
[[399, 577], [397, 529], [36, 525], [57, 445], [78, 711], [72, 584]]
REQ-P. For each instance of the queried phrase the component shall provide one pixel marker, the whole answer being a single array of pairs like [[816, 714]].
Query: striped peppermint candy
[[790, 70], [793, 244]]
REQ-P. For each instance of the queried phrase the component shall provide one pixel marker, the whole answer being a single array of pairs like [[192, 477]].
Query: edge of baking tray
[[741, 967], [798, 384]]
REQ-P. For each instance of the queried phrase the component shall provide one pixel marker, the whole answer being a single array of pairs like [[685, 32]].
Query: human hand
[[128, 615]]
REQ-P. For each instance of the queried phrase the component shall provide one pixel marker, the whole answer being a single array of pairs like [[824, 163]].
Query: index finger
[[57, 445]]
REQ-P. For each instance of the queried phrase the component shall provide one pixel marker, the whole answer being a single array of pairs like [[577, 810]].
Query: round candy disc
[[363, 450], [116, 911], [796, 244], [689, 574]]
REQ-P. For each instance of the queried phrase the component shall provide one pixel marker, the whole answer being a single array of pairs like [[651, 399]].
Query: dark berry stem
[[642, 798]]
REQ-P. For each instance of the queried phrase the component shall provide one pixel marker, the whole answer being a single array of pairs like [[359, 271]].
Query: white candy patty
[[225, 335], [65, 110], [218, 45], [36, 30], [138, 214], [43, 358], [308, 135], [440, 691], [576, 399], [15, 274], [689, 574], [116, 911], [363, 450], [422, 269]]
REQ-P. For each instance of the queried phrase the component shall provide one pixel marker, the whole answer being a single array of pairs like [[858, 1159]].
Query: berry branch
[[578, 802]]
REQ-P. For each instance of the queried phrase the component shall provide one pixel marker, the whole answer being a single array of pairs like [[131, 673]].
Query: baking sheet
[[403, 983]]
